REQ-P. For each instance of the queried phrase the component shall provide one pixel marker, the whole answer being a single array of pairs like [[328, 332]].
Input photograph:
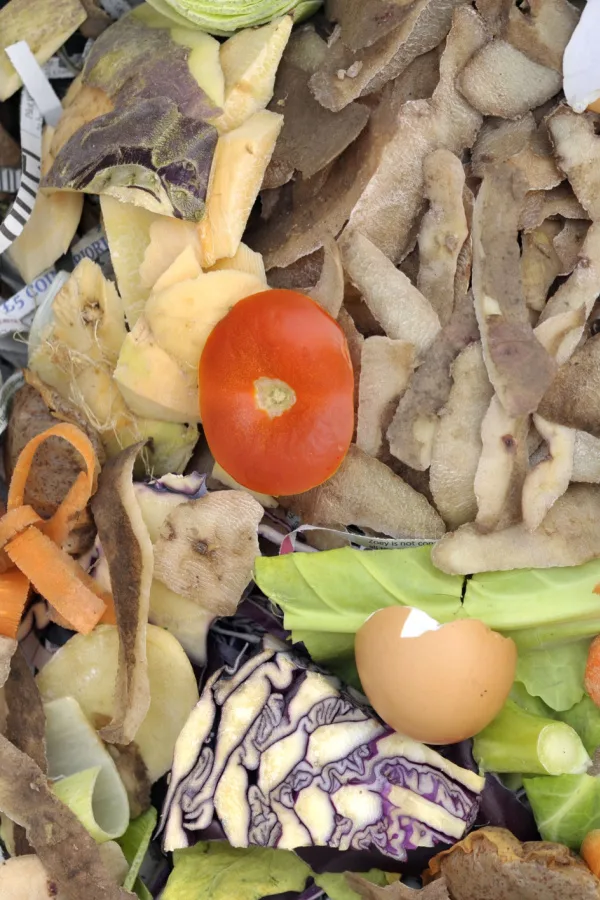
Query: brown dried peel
[[444, 229], [128, 549], [207, 547], [366, 493], [68, 853], [572, 398], [550, 478], [518, 365], [542, 29], [386, 369], [577, 150], [457, 442]]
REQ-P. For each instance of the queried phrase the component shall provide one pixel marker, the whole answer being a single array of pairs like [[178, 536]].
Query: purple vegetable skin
[[280, 756]]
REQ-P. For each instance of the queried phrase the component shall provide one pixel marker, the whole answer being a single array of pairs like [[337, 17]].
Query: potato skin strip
[[31, 548], [68, 853]]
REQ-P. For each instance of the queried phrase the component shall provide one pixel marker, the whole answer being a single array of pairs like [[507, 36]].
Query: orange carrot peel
[[590, 851], [31, 551], [592, 671]]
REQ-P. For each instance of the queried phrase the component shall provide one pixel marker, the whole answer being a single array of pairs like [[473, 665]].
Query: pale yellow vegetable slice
[[84, 774]]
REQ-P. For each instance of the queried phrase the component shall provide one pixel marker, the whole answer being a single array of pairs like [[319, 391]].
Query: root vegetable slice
[[38, 247], [183, 268], [239, 164], [362, 23], [518, 365], [577, 150], [568, 536], [386, 368], [443, 231], [540, 205], [250, 60], [542, 30], [457, 445], [85, 667], [168, 238], [86, 315], [550, 478], [128, 548], [44, 24], [572, 398], [206, 549], [540, 263], [569, 242], [586, 458], [389, 206], [69, 855], [412, 430], [501, 469], [577, 295], [499, 80], [243, 260], [366, 493], [305, 117], [422, 27], [402, 311]]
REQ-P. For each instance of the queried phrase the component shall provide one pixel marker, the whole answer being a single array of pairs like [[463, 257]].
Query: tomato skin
[[285, 336]]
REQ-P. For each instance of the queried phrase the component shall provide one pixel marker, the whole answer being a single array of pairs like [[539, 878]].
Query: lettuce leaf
[[565, 807], [216, 871], [337, 887], [555, 674], [327, 596], [134, 844]]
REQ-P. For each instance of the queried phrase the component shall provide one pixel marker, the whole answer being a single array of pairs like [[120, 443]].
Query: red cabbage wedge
[[282, 756]]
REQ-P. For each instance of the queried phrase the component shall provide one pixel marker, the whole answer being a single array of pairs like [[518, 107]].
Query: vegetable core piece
[[276, 393]]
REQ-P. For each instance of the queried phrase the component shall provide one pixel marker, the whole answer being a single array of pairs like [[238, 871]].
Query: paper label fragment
[[31, 149], [10, 179], [32, 76], [359, 541], [58, 68], [117, 8], [7, 392]]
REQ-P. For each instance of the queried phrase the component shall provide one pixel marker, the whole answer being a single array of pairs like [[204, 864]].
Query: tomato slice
[[276, 393]]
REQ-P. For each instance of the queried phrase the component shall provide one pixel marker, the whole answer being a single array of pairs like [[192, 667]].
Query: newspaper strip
[[32, 76], [17, 312], [7, 392], [10, 179], [359, 541], [31, 149]]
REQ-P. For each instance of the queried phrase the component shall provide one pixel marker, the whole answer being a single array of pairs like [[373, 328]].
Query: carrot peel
[[592, 671], [31, 549], [590, 851]]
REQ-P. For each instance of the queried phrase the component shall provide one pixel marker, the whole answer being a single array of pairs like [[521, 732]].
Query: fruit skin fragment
[[271, 339]]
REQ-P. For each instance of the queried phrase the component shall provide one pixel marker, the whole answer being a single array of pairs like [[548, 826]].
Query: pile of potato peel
[[465, 217]]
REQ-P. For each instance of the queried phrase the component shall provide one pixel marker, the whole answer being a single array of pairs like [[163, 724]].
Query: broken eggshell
[[581, 63], [439, 684]]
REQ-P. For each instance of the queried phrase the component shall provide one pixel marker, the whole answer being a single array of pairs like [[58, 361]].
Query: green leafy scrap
[[566, 807], [555, 674], [134, 844]]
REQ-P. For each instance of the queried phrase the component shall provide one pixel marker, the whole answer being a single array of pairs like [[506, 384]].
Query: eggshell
[[439, 687]]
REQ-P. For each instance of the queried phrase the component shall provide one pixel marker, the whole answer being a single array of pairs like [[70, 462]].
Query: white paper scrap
[[32, 76], [31, 149]]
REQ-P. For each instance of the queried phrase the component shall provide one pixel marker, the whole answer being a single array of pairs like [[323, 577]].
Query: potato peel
[[411, 432], [386, 368], [542, 30], [518, 365], [550, 478], [68, 853], [206, 549], [540, 263], [401, 310], [444, 230], [457, 443], [522, 143], [502, 467], [390, 204], [577, 151], [366, 493], [568, 536], [578, 294], [501, 81], [540, 205], [569, 242], [572, 398], [128, 549]]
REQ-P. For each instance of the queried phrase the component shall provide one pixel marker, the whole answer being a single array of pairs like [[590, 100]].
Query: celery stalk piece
[[584, 717], [44, 24], [517, 741], [94, 801], [533, 705]]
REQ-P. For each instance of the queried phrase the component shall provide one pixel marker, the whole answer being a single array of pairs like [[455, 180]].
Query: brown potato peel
[[492, 863], [68, 853], [128, 548]]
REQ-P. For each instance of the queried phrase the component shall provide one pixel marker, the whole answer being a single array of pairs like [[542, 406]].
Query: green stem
[[517, 741]]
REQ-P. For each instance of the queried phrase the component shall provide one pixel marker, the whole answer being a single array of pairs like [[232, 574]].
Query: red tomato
[[276, 393]]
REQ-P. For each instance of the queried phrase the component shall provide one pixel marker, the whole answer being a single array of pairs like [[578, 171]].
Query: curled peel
[[32, 551]]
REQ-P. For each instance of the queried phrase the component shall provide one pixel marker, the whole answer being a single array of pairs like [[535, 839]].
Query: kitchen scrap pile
[[300, 541]]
